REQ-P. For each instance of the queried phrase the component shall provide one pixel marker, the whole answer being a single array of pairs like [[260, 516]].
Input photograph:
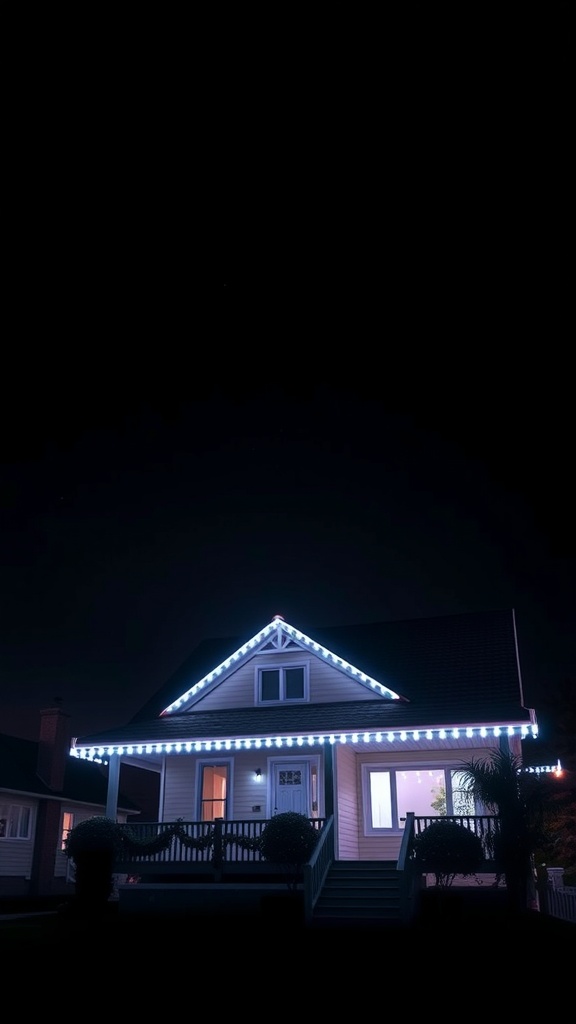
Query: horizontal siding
[[16, 854], [347, 806], [180, 795], [387, 847], [326, 683]]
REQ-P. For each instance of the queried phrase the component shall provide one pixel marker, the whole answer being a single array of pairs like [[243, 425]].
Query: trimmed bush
[[92, 845], [446, 849], [289, 839]]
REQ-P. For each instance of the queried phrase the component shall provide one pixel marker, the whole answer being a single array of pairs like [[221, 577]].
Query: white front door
[[291, 787]]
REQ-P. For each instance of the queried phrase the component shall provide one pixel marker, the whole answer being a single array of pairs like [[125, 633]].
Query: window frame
[[212, 762], [392, 768], [64, 831], [10, 809], [282, 668]]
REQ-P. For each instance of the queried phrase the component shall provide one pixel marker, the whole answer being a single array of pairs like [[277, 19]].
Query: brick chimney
[[54, 746]]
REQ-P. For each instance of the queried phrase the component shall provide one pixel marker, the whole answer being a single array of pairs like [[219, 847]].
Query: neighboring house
[[362, 723], [43, 794]]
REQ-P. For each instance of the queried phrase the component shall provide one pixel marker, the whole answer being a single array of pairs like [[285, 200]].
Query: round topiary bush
[[289, 839], [446, 849], [92, 845]]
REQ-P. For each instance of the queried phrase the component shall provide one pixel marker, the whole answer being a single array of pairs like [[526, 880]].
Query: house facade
[[363, 724], [44, 794]]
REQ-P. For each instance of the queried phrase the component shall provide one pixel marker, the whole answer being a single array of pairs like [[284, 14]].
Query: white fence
[[557, 899]]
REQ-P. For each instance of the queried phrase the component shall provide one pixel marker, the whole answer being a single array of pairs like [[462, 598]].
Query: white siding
[[385, 847], [245, 791], [16, 854], [326, 683], [348, 802]]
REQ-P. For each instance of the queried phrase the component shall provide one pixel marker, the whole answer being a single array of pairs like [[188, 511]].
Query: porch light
[[258, 774]]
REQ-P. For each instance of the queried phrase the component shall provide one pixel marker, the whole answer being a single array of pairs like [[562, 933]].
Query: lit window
[[214, 791], [67, 826], [389, 794], [282, 684]]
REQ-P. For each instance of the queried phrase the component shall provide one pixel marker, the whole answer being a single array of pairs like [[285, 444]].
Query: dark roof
[[84, 782], [451, 670]]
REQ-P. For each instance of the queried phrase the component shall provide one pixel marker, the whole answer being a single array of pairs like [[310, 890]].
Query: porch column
[[328, 751], [113, 783]]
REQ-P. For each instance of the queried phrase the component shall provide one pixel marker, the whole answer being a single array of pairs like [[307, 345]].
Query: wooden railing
[[485, 826], [317, 868], [181, 844]]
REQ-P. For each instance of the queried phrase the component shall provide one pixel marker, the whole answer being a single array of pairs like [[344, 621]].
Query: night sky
[[342, 392], [141, 516]]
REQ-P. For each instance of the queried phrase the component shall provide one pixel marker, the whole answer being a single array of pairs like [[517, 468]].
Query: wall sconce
[[258, 774]]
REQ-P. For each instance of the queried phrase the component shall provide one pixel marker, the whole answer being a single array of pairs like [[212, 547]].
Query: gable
[[279, 640]]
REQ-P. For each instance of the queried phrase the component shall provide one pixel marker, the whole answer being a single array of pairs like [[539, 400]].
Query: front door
[[291, 787]]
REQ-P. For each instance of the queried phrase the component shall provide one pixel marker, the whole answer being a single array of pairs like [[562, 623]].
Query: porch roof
[[305, 719]]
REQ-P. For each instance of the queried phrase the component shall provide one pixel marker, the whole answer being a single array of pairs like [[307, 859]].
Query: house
[[361, 727], [43, 794]]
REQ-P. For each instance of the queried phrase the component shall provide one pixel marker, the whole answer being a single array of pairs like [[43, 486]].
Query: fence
[[557, 899]]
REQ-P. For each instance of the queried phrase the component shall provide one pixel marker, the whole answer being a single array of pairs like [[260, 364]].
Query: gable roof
[[83, 782], [446, 671]]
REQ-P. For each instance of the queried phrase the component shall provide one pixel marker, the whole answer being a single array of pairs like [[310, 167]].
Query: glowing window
[[67, 826], [390, 793], [214, 790]]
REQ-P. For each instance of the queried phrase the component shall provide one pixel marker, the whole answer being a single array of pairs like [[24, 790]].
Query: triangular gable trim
[[281, 634]]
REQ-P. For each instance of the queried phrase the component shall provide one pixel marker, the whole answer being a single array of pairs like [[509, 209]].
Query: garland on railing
[[132, 844]]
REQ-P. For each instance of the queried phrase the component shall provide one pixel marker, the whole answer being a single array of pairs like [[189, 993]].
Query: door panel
[[291, 787]]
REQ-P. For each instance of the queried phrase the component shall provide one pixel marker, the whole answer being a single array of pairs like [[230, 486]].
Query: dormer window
[[283, 684]]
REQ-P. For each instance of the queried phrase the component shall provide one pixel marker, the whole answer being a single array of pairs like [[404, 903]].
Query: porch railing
[[485, 826], [316, 870], [181, 844]]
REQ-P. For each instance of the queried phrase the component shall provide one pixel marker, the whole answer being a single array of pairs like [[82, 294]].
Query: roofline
[[250, 647], [62, 799], [279, 740]]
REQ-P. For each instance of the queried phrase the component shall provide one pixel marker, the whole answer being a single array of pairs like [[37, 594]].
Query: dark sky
[[330, 376], [142, 513]]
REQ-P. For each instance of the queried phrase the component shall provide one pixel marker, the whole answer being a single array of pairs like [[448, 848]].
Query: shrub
[[92, 845], [446, 849], [289, 839]]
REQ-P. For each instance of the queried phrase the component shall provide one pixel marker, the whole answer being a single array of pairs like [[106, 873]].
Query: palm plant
[[497, 783]]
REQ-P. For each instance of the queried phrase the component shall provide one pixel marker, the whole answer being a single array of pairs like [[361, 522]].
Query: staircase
[[360, 893]]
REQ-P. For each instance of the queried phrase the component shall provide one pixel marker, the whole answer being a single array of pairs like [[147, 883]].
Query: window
[[67, 826], [15, 821], [282, 684], [213, 791], [389, 793]]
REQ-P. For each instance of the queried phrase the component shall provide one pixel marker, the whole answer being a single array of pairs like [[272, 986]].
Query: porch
[[211, 867]]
